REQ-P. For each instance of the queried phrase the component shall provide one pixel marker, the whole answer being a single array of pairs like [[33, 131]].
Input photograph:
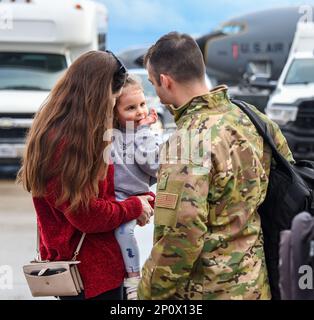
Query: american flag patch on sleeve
[[166, 200]]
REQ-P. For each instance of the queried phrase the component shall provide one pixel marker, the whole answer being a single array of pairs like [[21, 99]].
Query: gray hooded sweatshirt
[[135, 155]]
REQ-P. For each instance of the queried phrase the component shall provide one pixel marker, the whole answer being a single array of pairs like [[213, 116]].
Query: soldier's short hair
[[177, 55]]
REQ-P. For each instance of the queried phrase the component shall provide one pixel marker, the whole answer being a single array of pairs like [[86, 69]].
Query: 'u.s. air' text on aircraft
[[255, 43]]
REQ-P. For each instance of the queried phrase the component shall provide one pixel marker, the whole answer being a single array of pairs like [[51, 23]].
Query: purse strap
[[76, 252]]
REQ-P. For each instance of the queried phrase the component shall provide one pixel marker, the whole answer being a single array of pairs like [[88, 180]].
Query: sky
[[141, 22]]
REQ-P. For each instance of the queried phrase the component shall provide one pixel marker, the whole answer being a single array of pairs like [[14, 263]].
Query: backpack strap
[[263, 130]]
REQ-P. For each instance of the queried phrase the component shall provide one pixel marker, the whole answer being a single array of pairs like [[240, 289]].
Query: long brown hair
[[66, 138]]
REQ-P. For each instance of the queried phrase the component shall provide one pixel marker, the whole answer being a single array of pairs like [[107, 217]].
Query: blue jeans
[[128, 244]]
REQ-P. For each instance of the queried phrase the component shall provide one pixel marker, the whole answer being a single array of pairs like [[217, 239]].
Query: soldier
[[208, 242]]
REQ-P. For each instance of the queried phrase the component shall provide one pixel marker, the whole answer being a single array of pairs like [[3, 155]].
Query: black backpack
[[289, 193]]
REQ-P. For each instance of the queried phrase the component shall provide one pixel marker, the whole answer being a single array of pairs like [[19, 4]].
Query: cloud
[[138, 15], [184, 15]]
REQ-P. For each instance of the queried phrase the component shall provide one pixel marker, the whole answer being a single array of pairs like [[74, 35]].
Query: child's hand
[[150, 119]]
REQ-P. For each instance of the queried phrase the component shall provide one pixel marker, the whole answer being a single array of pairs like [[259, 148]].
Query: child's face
[[132, 106]]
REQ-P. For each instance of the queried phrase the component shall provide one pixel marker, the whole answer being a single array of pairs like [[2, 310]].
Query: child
[[135, 156]]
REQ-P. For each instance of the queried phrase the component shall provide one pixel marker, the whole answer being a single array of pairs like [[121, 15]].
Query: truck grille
[[305, 116], [14, 125], [15, 133], [17, 115]]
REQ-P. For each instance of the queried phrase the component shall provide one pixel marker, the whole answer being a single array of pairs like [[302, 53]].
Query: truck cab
[[292, 103], [36, 47]]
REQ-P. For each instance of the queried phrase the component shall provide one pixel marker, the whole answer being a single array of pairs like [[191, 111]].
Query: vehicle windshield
[[301, 71], [30, 71]]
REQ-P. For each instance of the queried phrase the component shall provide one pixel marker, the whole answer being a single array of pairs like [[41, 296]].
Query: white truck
[[292, 103], [38, 41]]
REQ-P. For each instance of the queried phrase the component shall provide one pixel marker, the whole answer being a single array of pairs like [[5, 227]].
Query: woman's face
[[132, 106]]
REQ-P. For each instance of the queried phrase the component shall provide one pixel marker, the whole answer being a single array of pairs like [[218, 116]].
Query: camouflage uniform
[[208, 242]]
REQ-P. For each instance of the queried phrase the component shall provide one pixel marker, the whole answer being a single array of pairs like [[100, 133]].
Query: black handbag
[[289, 192]]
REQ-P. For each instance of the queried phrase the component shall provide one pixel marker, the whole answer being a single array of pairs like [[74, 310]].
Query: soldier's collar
[[211, 99]]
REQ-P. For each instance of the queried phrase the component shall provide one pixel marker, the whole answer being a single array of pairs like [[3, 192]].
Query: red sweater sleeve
[[104, 214]]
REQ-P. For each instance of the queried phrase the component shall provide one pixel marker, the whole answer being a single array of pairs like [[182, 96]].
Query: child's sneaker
[[131, 285]]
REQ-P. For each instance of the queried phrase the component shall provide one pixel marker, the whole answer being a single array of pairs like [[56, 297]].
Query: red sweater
[[102, 267]]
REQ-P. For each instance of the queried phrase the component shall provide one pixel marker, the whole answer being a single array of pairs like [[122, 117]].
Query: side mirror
[[263, 83]]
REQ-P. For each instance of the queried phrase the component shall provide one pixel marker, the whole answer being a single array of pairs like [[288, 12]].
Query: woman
[[64, 169]]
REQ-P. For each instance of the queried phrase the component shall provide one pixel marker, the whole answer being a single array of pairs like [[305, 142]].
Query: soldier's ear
[[166, 81]]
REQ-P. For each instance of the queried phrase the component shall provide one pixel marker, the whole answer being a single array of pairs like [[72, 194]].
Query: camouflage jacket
[[208, 242]]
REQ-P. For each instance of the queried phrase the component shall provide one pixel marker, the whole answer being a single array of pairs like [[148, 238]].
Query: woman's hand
[[148, 211]]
